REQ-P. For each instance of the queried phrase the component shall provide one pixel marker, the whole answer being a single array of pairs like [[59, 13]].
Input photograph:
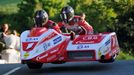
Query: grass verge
[[125, 56]]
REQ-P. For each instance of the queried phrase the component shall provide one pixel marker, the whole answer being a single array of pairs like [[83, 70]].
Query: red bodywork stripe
[[35, 32]]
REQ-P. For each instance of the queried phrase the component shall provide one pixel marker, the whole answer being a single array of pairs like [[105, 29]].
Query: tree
[[98, 15], [53, 7], [25, 13], [125, 30], [113, 15], [27, 9], [123, 25]]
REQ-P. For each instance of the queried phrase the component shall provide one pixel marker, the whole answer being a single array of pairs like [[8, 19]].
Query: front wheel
[[34, 65]]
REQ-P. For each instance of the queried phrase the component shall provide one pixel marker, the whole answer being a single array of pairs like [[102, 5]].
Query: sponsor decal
[[51, 36], [37, 51], [30, 45], [61, 58], [26, 55], [48, 37], [106, 50], [106, 43], [32, 39], [90, 37], [84, 42], [27, 46], [51, 57], [114, 42], [41, 57], [82, 46], [53, 51], [58, 39], [46, 45]]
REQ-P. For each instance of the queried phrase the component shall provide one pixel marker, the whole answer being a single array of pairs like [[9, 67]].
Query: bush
[[125, 56]]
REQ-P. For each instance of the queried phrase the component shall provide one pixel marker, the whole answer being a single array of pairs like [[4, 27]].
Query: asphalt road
[[72, 68]]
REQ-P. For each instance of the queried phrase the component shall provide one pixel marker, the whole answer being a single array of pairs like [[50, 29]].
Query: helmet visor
[[40, 21], [66, 17]]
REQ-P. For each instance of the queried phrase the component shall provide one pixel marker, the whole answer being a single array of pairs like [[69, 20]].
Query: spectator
[[12, 41], [15, 33], [4, 30], [11, 52], [83, 16], [9, 39]]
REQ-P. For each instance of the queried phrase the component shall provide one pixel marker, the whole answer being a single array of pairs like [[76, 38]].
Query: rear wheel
[[61, 62], [34, 65], [107, 61]]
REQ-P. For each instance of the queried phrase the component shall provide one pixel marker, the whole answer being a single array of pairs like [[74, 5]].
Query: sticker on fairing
[[56, 40]]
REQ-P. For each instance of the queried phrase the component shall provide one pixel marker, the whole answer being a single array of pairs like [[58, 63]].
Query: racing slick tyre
[[112, 59], [34, 65], [59, 62], [107, 61]]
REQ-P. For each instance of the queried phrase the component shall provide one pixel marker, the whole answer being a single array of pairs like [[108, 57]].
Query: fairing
[[47, 45]]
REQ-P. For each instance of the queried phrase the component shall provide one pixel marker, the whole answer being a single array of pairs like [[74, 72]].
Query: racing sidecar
[[41, 45]]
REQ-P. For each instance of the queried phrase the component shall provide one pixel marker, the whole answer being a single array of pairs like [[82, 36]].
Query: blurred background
[[104, 15]]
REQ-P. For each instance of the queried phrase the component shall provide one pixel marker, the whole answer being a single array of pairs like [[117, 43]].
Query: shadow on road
[[69, 68], [78, 68]]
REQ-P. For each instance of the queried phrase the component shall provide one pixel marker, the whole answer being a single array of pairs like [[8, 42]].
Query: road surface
[[72, 68]]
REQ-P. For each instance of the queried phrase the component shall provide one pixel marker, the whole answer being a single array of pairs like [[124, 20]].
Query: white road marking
[[11, 71]]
